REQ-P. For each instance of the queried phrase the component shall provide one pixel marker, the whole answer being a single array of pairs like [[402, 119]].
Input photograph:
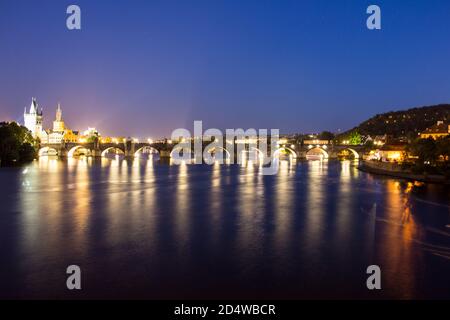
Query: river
[[144, 229]]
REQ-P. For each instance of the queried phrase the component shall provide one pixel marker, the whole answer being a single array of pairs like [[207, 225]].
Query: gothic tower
[[33, 119], [58, 124]]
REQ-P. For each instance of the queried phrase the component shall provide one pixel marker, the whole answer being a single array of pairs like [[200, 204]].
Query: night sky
[[144, 68]]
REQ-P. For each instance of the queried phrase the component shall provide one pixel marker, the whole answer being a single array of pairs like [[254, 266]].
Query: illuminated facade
[[59, 134], [70, 136], [88, 135], [33, 120], [389, 153], [56, 136], [91, 132], [439, 130], [58, 124], [316, 141]]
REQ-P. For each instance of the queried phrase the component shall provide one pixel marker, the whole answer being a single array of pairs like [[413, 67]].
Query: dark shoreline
[[377, 168]]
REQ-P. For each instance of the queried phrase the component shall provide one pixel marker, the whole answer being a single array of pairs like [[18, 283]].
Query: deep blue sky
[[143, 68]]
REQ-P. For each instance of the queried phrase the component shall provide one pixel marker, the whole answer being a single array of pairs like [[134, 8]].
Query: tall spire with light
[[58, 124], [59, 112]]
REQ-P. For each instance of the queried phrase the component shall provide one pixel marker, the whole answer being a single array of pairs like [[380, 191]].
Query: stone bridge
[[166, 149]]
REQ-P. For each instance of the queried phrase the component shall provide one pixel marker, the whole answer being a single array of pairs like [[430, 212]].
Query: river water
[[144, 229]]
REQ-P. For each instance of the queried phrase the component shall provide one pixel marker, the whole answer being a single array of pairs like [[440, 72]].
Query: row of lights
[[149, 140], [135, 140]]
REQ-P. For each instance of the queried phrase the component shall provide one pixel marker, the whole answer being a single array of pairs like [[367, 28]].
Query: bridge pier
[[164, 154]]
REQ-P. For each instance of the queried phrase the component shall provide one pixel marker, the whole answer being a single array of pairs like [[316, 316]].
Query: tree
[[17, 145], [355, 138], [443, 148], [425, 150], [92, 139], [443, 151]]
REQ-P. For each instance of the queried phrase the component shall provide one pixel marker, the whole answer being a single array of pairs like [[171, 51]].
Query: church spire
[[33, 106], [58, 112]]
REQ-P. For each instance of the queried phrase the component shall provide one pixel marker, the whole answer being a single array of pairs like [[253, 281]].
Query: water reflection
[[132, 223], [216, 195], [182, 212], [315, 202], [398, 228], [284, 202]]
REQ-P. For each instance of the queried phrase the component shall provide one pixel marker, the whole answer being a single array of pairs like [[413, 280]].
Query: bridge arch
[[71, 152], [104, 152], [178, 149], [47, 151], [260, 153], [257, 154], [317, 152], [146, 150], [215, 148], [286, 150], [353, 151]]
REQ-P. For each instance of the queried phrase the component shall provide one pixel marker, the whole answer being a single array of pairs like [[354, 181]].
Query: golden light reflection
[[182, 203], [46, 217], [105, 162], [315, 205], [31, 206], [345, 200], [215, 204], [251, 195], [399, 231], [116, 191], [49, 163], [136, 184], [57, 202], [284, 202], [81, 208]]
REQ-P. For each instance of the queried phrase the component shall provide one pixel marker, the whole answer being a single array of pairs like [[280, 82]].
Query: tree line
[[431, 156], [17, 145]]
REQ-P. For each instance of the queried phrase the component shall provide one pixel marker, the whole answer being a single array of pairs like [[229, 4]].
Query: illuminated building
[[439, 130], [316, 141], [91, 132], [33, 120], [70, 136], [44, 136], [377, 140], [88, 135], [55, 137], [59, 132], [58, 124], [106, 140], [392, 153]]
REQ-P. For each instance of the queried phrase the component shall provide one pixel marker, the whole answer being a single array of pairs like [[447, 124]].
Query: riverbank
[[396, 170]]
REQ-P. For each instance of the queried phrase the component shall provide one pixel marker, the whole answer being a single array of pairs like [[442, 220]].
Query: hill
[[407, 123]]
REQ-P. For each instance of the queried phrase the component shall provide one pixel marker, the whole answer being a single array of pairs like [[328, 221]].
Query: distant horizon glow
[[300, 67]]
